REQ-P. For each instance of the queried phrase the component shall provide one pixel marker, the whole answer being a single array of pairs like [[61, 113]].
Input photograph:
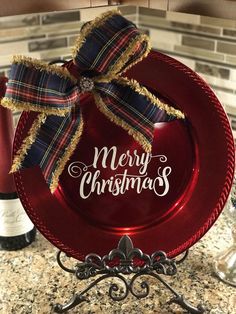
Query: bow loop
[[36, 86], [109, 45], [106, 48]]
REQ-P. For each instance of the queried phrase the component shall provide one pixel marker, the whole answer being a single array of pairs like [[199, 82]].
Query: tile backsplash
[[205, 44]]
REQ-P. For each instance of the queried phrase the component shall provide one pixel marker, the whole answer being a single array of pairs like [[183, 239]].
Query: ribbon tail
[[166, 111], [72, 140], [130, 128], [51, 144], [134, 108]]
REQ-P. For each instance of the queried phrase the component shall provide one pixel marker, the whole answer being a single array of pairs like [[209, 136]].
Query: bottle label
[[13, 219]]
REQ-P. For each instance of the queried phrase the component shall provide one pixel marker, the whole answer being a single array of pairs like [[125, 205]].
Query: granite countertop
[[31, 281]]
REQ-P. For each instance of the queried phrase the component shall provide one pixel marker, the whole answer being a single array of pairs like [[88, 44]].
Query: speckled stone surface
[[31, 281]]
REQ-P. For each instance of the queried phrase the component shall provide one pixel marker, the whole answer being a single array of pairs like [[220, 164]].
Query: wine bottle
[[16, 229]]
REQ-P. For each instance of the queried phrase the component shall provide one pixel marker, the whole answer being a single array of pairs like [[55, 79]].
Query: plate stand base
[[120, 262]]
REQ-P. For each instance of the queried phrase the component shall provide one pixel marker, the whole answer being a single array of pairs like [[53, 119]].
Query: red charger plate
[[199, 151]]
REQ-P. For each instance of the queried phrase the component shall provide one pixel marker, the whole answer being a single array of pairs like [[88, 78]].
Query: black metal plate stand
[[154, 265]]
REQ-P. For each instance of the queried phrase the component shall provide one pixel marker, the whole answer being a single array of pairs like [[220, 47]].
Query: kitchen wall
[[14, 7], [205, 44], [217, 8]]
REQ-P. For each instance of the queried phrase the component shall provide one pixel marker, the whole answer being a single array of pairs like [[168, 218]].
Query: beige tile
[[218, 81], [166, 46], [233, 75], [153, 21], [231, 110], [71, 40], [63, 32], [217, 21], [133, 18], [13, 32], [164, 36], [158, 4], [221, 88], [212, 70], [197, 28], [19, 21], [183, 17], [60, 17], [97, 3], [40, 30], [229, 33], [199, 53], [52, 43], [175, 20], [60, 28], [194, 41], [230, 59], [19, 32], [128, 9], [186, 61], [14, 48], [226, 47], [5, 39], [55, 53], [226, 98], [151, 12], [91, 13], [142, 3]]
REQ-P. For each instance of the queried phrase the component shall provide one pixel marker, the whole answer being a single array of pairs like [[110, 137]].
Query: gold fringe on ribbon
[[63, 160], [113, 118], [116, 68], [27, 142], [87, 28], [143, 91], [43, 66], [25, 106]]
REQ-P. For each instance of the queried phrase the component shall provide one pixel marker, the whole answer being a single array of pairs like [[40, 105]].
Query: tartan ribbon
[[105, 49]]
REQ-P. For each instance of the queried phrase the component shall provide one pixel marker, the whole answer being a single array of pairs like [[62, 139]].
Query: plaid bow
[[105, 48]]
